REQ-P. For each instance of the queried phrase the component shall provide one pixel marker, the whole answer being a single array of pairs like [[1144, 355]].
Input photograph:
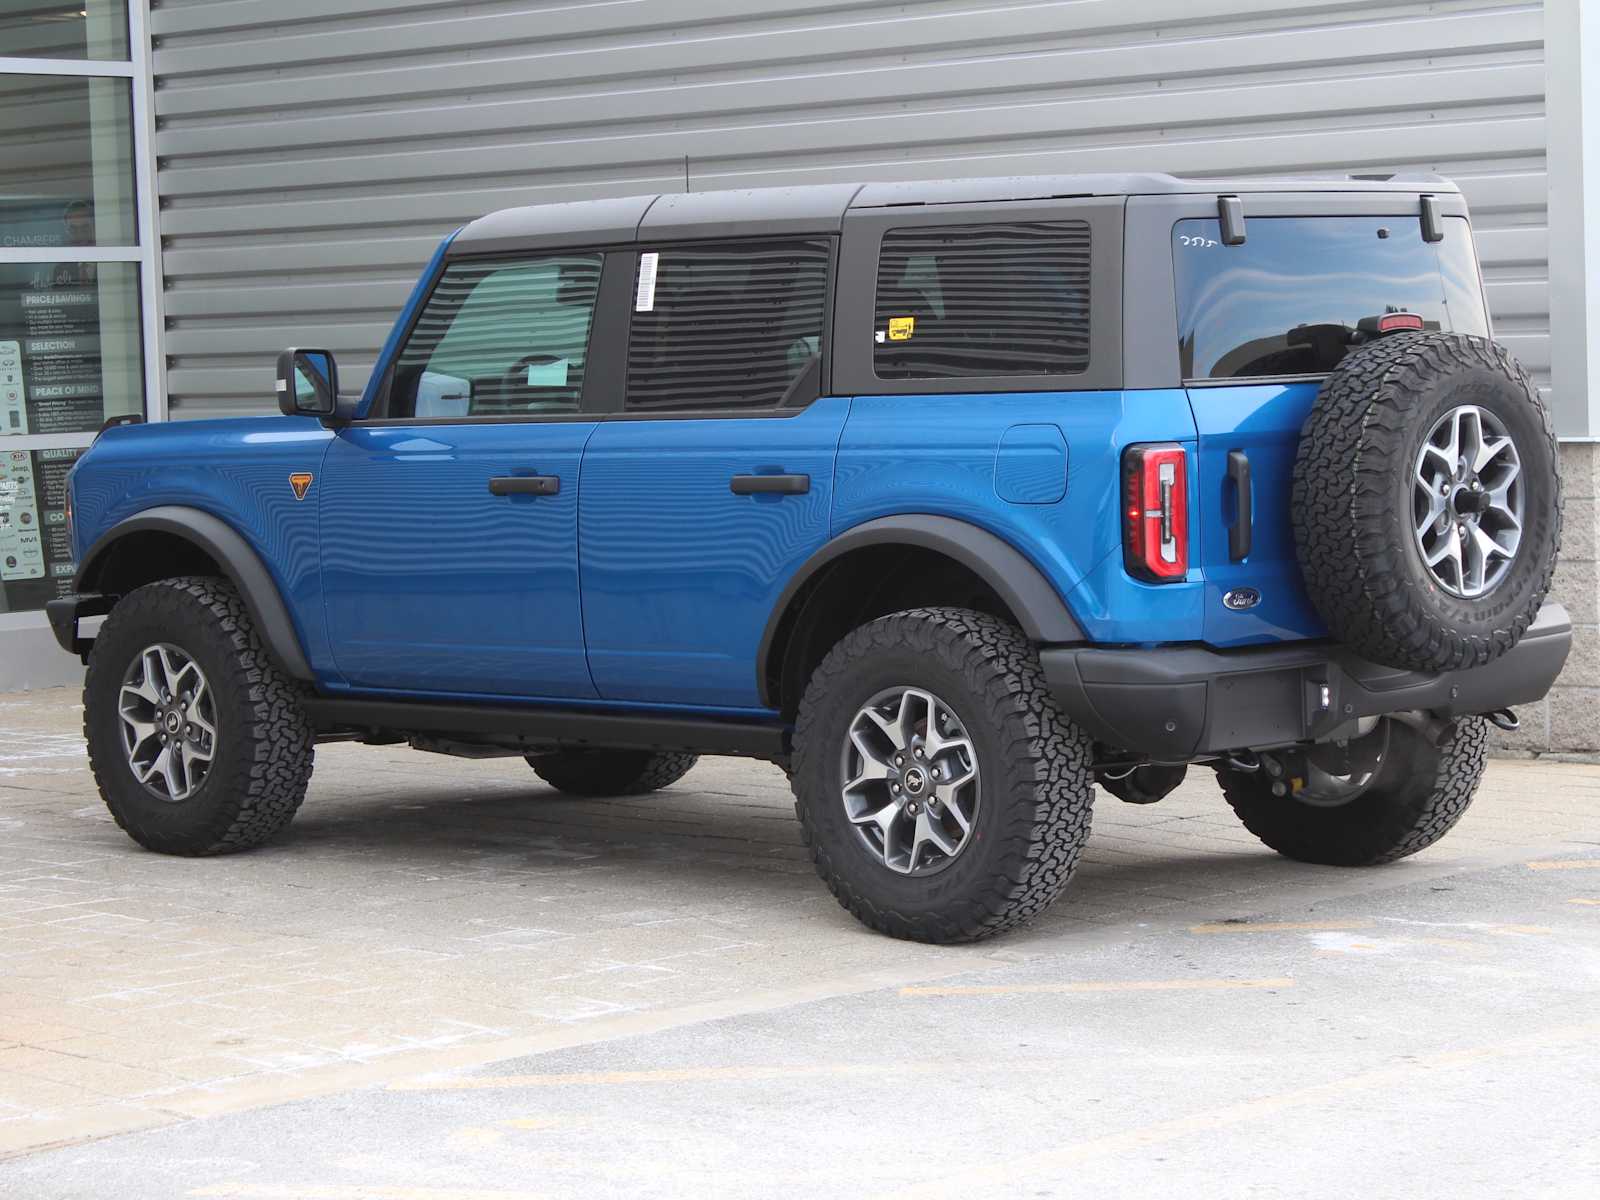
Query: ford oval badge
[[1240, 599]]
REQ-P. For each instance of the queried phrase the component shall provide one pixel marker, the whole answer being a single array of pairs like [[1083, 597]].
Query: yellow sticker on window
[[901, 328]]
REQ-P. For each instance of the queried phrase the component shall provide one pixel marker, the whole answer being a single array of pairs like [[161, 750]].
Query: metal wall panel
[[311, 152]]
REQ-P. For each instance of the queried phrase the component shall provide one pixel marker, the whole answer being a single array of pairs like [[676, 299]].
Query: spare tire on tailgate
[[1427, 508]]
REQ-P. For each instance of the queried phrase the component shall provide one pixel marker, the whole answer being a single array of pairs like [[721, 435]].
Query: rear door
[[713, 484], [1259, 326]]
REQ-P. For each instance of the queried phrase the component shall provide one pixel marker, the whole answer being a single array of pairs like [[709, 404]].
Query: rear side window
[[1287, 301], [500, 339], [982, 300], [737, 325]]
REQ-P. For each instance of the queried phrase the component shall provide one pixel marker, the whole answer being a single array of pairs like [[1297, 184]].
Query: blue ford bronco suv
[[955, 499]]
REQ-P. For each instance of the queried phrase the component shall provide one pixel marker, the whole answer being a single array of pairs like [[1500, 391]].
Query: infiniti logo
[[1240, 599]]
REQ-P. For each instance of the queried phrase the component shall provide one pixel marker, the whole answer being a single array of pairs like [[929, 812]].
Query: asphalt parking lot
[[447, 982]]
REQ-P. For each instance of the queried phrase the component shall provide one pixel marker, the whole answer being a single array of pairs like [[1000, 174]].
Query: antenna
[[686, 173]]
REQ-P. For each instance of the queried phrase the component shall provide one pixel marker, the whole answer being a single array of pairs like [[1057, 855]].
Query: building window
[[64, 29], [982, 300], [729, 326], [76, 267]]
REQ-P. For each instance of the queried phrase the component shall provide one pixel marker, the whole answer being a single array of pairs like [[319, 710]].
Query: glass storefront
[[35, 548], [66, 29], [66, 162], [74, 264], [69, 346]]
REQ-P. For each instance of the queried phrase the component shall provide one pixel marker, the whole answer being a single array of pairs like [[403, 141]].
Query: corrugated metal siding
[[311, 153]]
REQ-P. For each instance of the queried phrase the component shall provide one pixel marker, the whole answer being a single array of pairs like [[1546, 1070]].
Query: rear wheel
[[944, 795], [600, 773], [1379, 798]]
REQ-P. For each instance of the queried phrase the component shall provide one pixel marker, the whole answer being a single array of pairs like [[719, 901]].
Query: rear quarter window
[[982, 300], [1286, 301]]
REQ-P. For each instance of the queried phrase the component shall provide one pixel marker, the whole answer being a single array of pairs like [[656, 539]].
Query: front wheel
[[1377, 799], [198, 742], [944, 795]]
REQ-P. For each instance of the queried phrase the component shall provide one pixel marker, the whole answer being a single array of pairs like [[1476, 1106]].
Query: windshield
[[1287, 301]]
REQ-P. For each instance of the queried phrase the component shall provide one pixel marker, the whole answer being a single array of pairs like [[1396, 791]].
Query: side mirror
[[308, 383]]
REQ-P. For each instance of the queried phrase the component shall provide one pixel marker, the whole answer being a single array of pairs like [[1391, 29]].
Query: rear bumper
[[1179, 702], [65, 612]]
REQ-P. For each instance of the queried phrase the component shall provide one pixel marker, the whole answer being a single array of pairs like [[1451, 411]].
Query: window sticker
[[552, 375], [13, 400], [644, 299], [901, 328], [21, 547]]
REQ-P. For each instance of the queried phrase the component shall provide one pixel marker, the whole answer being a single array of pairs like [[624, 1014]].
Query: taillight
[[1155, 512]]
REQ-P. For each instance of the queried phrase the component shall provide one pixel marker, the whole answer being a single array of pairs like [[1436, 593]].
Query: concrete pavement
[[447, 981]]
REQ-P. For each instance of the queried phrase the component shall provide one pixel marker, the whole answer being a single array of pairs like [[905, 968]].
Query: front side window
[[499, 339], [982, 300], [735, 325], [1290, 300]]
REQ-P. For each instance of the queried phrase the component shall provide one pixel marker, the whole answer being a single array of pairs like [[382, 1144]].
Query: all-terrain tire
[[1037, 784], [264, 744], [601, 773], [1353, 498], [1421, 791]]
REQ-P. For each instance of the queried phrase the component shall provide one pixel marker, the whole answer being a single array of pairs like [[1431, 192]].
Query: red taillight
[[1397, 322], [1155, 512]]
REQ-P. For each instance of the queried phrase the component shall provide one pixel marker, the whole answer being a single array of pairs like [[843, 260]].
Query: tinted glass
[[1287, 301], [70, 354], [500, 339], [64, 28], [968, 300], [35, 548], [737, 325], [66, 162]]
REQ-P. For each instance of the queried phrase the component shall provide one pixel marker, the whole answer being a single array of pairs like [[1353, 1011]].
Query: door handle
[[524, 485], [1240, 535], [784, 485]]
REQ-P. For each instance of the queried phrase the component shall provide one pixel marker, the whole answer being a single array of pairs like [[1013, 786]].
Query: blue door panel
[[679, 574], [983, 458], [435, 585], [1264, 422]]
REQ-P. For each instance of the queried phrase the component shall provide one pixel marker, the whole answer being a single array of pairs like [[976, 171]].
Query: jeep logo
[[1240, 599]]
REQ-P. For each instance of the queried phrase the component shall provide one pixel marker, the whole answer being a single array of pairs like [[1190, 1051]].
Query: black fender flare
[[1038, 607], [238, 560]]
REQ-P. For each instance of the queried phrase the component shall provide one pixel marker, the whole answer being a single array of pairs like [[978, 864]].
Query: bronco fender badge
[[300, 481], [1240, 599]]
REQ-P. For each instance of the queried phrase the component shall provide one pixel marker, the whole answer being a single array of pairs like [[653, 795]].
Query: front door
[[705, 494], [449, 522]]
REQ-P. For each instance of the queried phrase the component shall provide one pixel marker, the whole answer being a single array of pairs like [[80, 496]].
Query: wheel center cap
[[1470, 503], [915, 780], [173, 721]]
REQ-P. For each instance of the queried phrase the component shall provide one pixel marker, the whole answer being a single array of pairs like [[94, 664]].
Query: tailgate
[[1260, 426]]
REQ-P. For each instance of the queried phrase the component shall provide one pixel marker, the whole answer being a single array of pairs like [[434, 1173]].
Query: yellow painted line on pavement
[[1030, 1172], [1099, 985], [1276, 926], [1584, 900], [268, 1191], [535, 1123], [1567, 864], [667, 1075], [1513, 929]]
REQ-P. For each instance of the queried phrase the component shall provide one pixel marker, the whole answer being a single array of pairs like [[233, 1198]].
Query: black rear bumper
[[1176, 703]]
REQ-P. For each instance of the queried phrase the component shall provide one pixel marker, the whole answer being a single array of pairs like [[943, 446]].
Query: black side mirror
[[308, 383]]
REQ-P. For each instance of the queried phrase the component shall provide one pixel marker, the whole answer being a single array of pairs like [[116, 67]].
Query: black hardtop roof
[[820, 208]]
